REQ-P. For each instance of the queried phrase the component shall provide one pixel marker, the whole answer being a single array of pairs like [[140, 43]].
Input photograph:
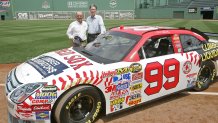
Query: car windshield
[[112, 45]]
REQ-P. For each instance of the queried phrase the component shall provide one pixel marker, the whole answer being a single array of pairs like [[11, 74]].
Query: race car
[[125, 67]]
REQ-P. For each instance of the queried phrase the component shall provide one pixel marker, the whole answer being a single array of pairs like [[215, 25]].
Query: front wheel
[[206, 75], [79, 105]]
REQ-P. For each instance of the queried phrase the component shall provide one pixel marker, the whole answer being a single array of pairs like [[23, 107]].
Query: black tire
[[79, 105], [206, 75]]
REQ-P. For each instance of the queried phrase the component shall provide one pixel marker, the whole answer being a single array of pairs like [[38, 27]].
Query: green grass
[[22, 40]]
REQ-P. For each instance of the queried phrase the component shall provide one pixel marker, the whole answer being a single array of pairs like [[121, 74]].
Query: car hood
[[50, 64], [54, 63]]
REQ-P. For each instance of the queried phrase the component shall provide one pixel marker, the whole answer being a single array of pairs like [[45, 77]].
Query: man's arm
[[70, 32], [101, 24]]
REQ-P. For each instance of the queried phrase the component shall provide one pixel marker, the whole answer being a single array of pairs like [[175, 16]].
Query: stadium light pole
[[12, 8], [52, 2]]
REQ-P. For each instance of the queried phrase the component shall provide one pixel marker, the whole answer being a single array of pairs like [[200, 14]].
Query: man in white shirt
[[95, 24], [77, 30]]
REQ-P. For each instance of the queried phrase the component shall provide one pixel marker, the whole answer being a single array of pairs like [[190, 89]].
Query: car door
[[166, 68]]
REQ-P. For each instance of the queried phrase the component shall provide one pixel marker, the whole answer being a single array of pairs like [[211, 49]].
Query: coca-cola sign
[[46, 107]]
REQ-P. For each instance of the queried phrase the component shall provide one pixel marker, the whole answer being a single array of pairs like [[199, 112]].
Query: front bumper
[[12, 119]]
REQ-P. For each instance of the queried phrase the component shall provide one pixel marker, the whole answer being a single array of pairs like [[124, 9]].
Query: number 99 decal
[[154, 74]]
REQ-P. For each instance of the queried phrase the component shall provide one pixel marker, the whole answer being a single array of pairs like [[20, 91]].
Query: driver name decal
[[76, 61]]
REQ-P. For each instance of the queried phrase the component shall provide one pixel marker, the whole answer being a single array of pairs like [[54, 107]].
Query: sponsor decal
[[134, 102], [176, 37], [136, 87], [46, 95], [135, 96], [45, 107], [187, 66], [116, 107], [209, 46], [120, 82], [47, 65], [24, 109], [72, 100], [176, 43], [137, 76], [121, 78], [122, 86], [122, 70], [209, 54], [117, 101], [133, 99], [191, 79], [49, 88], [42, 101], [44, 115], [76, 61], [110, 88], [108, 74], [135, 82], [191, 75], [191, 82], [210, 51], [119, 94], [135, 67]]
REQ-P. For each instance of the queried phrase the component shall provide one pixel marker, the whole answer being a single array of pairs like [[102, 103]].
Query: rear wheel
[[79, 105], [205, 76]]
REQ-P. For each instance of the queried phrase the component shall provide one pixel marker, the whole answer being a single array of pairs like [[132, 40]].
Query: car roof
[[140, 30]]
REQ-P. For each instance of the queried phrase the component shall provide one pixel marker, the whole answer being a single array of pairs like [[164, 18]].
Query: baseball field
[[22, 40]]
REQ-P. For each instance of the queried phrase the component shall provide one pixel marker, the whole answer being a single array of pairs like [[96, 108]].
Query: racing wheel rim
[[204, 77], [81, 108]]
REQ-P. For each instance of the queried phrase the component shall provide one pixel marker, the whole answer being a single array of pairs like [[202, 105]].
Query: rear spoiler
[[211, 34], [204, 34]]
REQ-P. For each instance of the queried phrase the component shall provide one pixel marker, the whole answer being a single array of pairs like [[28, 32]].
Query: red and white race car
[[125, 67]]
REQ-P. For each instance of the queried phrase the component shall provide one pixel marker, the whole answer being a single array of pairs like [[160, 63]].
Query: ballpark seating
[[203, 3]]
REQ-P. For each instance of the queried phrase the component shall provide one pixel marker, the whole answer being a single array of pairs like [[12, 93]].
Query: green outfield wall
[[65, 9], [109, 9]]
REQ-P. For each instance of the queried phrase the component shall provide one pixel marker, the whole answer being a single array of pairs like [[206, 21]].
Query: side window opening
[[190, 43], [154, 47]]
